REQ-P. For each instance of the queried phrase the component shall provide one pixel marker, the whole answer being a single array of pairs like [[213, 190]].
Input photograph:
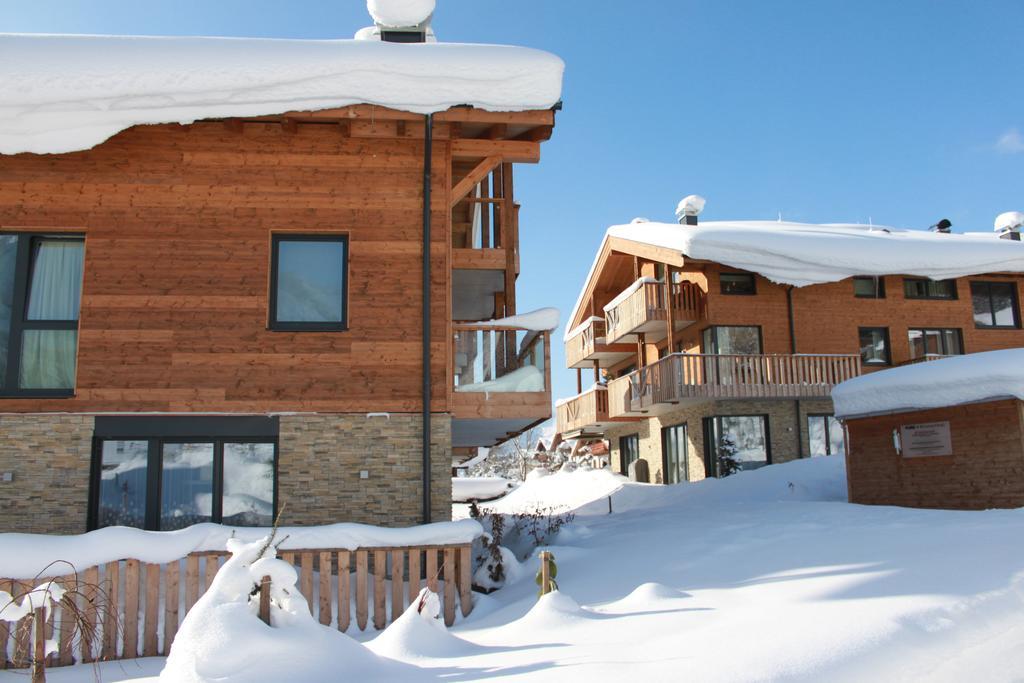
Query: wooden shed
[[941, 434]]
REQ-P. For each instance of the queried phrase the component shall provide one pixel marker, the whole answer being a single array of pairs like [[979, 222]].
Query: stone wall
[[986, 469], [49, 457], [321, 456], [782, 428]]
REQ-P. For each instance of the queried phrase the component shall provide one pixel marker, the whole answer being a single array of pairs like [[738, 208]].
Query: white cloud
[[1010, 142]]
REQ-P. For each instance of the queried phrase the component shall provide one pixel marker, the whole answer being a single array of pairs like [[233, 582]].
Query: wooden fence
[[136, 607]]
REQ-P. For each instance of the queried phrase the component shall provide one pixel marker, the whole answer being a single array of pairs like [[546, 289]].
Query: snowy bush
[[508, 539]]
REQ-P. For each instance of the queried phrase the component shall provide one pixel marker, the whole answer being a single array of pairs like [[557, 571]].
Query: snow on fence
[[133, 608]]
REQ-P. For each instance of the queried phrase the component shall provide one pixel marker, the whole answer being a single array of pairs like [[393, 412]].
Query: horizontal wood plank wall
[[128, 626], [178, 221]]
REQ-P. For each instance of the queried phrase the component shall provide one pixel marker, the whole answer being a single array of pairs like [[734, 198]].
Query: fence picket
[[380, 561], [449, 586], [344, 590], [306, 581], [362, 608], [466, 579], [91, 593], [172, 599], [414, 574], [151, 616], [324, 609], [130, 648], [397, 583]]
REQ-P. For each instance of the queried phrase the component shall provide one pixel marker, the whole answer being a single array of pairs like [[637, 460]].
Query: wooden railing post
[[265, 600], [39, 645]]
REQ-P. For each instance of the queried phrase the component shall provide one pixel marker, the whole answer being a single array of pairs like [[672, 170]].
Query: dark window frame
[[685, 455], [709, 440], [750, 276], [942, 338], [878, 283], [158, 431], [828, 433], [623, 465], [273, 323], [929, 296], [23, 270], [1013, 294], [888, 347]]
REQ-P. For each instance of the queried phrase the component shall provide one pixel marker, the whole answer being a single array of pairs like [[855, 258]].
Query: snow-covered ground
[[766, 575]]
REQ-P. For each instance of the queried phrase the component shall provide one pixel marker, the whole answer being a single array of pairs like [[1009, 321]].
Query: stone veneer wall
[[49, 456], [781, 426], [319, 461], [320, 458]]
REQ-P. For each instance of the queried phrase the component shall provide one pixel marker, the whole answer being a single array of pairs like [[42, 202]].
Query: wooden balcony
[[644, 311], [586, 414], [690, 377], [501, 383], [587, 347]]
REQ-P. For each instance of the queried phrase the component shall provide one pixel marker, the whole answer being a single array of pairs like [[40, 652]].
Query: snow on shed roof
[[66, 93], [802, 254], [934, 384]]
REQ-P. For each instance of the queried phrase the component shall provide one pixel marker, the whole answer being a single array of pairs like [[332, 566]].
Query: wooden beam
[[537, 117], [466, 185], [538, 134], [497, 132], [506, 150]]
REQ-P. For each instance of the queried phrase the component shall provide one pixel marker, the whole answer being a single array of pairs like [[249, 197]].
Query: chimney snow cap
[[400, 13], [1009, 221], [689, 208]]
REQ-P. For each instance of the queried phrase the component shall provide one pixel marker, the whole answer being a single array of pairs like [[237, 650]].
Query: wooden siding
[[178, 222]]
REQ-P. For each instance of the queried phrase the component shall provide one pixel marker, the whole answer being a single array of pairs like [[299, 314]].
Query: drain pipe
[[792, 350], [428, 135]]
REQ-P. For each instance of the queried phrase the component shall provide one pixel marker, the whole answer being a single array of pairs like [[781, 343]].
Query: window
[[40, 295], [737, 283], [733, 339], [674, 449], [869, 287], [825, 435], [874, 346], [735, 442], [923, 288], [995, 304], [629, 451], [309, 283], [934, 342], [175, 480]]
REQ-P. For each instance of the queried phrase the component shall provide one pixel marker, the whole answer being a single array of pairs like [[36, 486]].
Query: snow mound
[[562, 490], [68, 93], [647, 597], [552, 612], [420, 634], [222, 639], [1008, 220], [465, 489], [934, 384], [400, 13]]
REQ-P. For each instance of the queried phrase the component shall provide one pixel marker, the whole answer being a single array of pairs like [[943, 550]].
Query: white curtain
[[56, 288], [48, 359]]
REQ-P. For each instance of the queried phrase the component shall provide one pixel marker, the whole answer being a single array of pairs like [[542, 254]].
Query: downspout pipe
[[428, 135], [792, 350]]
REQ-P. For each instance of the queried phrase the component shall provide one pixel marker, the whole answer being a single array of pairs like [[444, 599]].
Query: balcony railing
[[687, 376], [586, 413], [645, 311], [493, 360], [588, 345]]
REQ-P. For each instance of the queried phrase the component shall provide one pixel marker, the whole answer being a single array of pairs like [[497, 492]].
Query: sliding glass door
[[674, 449]]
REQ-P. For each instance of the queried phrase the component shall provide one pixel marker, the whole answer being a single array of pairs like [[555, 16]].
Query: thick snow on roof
[[68, 93], [934, 384], [802, 254], [400, 13]]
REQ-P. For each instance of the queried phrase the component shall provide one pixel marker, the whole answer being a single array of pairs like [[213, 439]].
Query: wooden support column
[[509, 236], [579, 381], [597, 372], [641, 350], [669, 314]]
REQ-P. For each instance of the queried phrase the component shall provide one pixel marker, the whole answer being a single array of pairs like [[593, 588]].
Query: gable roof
[[802, 254], [67, 93]]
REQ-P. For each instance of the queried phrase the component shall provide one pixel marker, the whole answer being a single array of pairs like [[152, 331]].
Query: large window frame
[[308, 326], [712, 428], [888, 347], [943, 339], [876, 283], [710, 342], [827, 420], [162, 431], [675, 434], [10, 382], [748, 288], [986, 286], [927, 289], [634, 440]]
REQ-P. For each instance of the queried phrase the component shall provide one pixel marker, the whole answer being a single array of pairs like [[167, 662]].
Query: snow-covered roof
[[64, 93], [802, 254], [934, 384]]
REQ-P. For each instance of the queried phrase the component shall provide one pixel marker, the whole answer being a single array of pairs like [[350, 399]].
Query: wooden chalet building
[[216, 305], [689, 336]]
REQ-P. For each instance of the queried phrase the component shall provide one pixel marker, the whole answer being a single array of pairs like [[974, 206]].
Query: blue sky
[[901, 112]]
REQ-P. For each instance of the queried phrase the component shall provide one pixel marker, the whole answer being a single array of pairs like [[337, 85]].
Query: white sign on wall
[[926, 439]]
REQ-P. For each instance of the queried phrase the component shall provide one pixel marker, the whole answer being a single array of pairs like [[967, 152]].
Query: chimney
[[689, 208], [942, 226], [402, 21], [1008, 225]]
